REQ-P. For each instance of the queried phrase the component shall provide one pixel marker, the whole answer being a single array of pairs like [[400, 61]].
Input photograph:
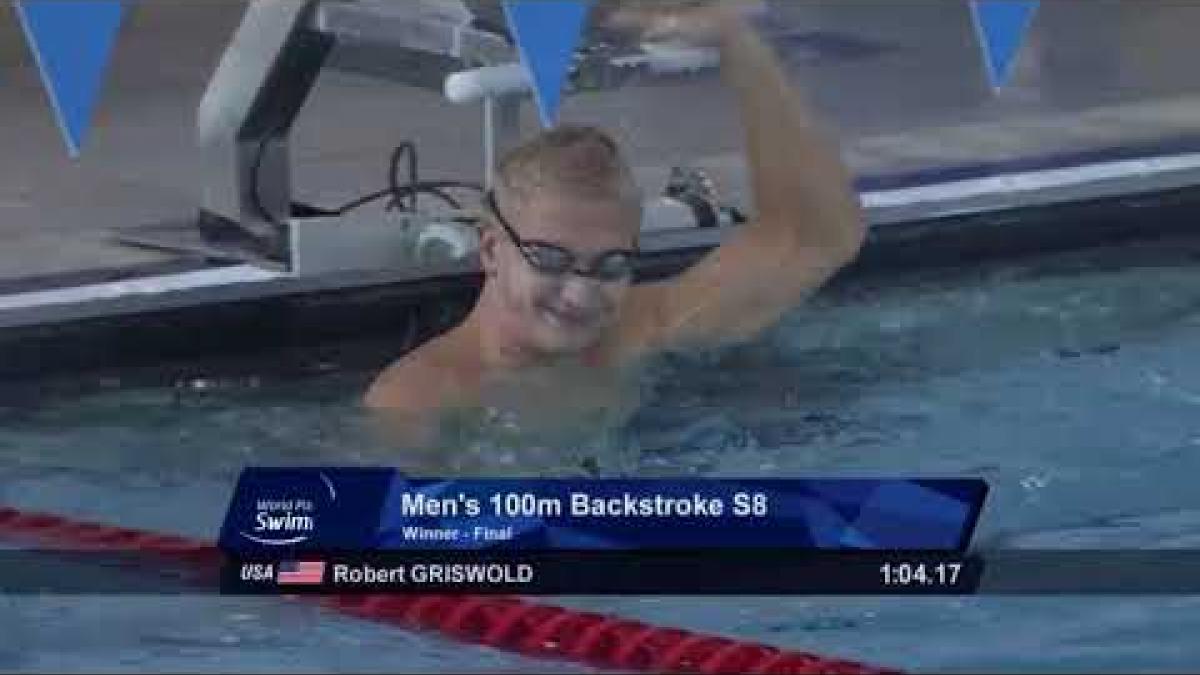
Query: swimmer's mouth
[[575, 320]]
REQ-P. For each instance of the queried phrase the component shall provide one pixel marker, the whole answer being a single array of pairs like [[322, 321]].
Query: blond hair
[[575, 161]]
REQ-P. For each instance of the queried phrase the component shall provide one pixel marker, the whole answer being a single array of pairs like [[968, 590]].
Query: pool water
[[1070, 382]]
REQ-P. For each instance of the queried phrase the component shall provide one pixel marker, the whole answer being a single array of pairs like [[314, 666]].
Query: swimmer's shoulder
[[428, 378]]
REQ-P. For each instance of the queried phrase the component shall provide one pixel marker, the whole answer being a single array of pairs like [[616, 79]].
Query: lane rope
[[505, 623]]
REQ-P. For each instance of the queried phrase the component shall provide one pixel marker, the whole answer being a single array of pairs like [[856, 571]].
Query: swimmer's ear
[[488, 242]]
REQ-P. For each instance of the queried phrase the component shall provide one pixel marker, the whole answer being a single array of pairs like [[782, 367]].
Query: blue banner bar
[[278, 510]]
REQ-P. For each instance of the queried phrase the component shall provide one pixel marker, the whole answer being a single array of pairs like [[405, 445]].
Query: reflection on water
[[562, 420]]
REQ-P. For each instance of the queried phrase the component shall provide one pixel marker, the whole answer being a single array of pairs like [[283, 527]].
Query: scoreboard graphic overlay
[[347, 530]]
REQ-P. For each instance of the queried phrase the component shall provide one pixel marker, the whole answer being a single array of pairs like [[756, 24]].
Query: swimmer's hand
[[700, 24]]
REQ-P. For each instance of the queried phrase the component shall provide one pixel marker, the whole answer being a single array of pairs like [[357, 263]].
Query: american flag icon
[[300, 572]]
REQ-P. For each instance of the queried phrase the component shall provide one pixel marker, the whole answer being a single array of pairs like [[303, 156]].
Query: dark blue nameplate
[[276, 510]]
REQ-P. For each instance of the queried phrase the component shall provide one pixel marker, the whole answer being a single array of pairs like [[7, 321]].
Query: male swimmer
[[559, 237]]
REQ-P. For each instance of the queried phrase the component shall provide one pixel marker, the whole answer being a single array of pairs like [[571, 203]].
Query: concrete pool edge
[[230, 308]]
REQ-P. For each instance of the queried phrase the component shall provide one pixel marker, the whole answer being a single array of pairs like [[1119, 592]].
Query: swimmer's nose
[[582, 302], [581, 294]]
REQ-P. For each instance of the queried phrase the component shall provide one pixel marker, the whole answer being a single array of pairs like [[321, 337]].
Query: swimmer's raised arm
[[808, 222]]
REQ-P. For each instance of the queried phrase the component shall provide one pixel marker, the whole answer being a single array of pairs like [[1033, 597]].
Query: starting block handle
[[477, 84], [508, 79]]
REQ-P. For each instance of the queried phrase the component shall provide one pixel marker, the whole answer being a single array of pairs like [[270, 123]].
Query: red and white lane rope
[[501, 622]]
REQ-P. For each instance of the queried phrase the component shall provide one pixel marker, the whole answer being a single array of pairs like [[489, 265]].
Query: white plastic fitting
[[469, 86]]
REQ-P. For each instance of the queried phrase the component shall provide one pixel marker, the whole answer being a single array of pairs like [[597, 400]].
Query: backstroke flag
[[546, 33], [1002, 26], [71, 41]]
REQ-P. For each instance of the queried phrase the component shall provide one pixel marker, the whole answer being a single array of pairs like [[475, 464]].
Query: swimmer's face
[[562, 266]]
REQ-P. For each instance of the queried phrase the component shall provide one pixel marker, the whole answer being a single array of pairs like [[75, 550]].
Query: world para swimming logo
[[286, 520]]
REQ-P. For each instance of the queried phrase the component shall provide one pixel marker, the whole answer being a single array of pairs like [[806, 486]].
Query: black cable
[[361, 201], [398, 192], [440, 194], [439, 187], [433, 187], [461, 184], [404, 148]]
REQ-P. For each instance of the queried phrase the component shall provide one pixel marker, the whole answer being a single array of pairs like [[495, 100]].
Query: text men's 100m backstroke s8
[[584, 505]]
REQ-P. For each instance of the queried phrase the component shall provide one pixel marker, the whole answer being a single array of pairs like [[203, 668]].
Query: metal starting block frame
[[460, 48], [268, 71]]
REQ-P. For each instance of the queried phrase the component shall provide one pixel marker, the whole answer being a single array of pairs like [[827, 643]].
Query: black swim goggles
[[555, 261]]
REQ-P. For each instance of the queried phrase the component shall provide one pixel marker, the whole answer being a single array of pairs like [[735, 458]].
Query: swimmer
[[559, 237]]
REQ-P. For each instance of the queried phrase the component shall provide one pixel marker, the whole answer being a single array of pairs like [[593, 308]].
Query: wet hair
[[574, 161]]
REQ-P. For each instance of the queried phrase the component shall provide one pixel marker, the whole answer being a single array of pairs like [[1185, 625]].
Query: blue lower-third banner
[[284, 510]]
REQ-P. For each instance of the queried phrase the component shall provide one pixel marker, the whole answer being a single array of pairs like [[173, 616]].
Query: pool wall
[[192, 309]]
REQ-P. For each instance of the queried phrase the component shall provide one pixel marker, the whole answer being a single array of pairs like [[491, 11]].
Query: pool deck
[[58, 215]]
